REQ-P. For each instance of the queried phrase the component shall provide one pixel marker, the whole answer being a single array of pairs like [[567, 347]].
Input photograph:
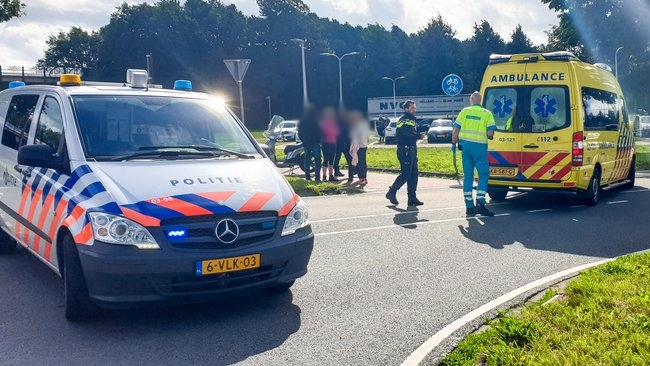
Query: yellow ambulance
[[562, 125]]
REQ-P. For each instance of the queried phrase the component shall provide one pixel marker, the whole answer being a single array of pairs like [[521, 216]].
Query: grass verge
[[440, 159], [601, 318], [310, 188]]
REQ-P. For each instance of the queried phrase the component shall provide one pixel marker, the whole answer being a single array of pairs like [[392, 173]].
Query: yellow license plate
[[503, 172], [224, 265]]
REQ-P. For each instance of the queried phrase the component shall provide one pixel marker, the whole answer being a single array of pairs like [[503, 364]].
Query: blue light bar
[[16, 84], [176, 233], [268, 225], [184, 85]]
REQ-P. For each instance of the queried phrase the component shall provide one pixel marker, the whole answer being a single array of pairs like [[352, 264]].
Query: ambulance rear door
[[546, 125]]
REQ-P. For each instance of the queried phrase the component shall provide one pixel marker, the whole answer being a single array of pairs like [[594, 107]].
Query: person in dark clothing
[[407, 154], [310, 135], [343, 144]]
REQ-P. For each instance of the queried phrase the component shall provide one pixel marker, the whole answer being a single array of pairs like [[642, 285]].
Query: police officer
[[407, 137], [473, 128]]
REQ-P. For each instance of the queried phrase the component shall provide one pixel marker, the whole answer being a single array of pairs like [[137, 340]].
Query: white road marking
[[387, 214], [403, 225], [578, 206], [405, 212], [423, 351], [542, 210], [479, 221], [617, 202]]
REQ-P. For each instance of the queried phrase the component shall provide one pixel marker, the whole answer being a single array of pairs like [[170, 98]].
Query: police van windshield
[[118, 126], [529, 109]]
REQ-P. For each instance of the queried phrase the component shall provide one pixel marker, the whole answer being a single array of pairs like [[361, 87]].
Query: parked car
[[287, 130], [440, 130], [390, 132], [644, 125]]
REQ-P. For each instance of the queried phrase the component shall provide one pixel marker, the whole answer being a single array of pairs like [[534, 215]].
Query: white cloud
[[23, 39]]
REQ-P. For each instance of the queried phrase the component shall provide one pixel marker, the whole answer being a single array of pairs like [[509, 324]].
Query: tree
[[436, 55], [594, 30], [10, 9], [76, 49], [519, 42], [484, 42]]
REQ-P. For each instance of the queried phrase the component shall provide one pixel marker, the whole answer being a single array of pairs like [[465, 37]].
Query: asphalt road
[[382, 280]]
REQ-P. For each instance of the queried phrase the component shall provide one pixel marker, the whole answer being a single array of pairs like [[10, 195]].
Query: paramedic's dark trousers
[[408, 161]]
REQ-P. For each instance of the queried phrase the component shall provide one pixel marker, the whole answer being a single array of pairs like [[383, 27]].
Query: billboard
[[428, 106]]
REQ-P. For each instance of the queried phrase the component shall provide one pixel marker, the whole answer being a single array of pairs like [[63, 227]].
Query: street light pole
[[301, 44], [340, 73], [616, 61], [269, 99], [394, 101]]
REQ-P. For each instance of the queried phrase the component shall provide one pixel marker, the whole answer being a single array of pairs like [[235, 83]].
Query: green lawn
[[259, 136], [600, 318], [311, 188], [440, 159]]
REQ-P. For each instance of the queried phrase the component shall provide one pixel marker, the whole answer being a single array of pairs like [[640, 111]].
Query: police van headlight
[[297, 219], [115, 229]]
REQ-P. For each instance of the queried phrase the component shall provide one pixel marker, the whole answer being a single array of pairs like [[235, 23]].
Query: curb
[[434, 342]]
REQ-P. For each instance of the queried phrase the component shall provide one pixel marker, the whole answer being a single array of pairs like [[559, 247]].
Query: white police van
[[141, 195]]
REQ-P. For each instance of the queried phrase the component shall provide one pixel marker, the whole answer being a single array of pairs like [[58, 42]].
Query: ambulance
[[562, 126], [137, 195]]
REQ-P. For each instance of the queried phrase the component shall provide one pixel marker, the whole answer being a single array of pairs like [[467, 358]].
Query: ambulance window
[[623, 108], [503, 104], [50, 124], [601, 110], [549, 109], [19, 118]]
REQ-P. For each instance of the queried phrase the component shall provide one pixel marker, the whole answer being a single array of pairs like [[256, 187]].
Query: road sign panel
[[238, 68], [452, 84]]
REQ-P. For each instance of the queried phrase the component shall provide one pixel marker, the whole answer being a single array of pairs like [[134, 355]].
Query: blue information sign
[[452, 84]]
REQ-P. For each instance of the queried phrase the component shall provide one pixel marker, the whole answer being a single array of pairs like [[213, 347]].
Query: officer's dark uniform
[[407, 137]]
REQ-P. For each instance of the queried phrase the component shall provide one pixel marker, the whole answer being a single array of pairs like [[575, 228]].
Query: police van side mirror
[[41, 156]]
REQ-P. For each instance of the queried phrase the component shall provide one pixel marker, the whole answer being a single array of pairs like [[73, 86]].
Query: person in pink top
[[330, 131]]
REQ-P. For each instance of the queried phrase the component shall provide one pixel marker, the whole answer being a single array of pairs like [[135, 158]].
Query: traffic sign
[[452, 84], [237, 68]]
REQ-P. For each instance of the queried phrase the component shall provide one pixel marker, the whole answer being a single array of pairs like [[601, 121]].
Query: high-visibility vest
[[474, 122]]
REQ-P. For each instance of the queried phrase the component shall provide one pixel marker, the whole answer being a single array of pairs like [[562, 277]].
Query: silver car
[[440, 130]]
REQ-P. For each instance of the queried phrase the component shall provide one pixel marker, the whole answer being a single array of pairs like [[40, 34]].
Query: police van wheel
[[78, 306], [497, 194], [631, 175], [7, 244], [592, 196]]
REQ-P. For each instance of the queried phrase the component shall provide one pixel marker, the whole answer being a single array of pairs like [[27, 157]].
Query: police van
[[562, 125], [137, 195]]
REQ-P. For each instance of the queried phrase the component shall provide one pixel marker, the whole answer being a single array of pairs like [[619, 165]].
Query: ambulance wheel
[[7, 243], [497, 194], [78, 306], [631, 176], [279, 289], [592, 195]]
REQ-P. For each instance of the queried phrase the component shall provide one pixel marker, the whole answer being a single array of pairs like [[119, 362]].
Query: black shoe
[[480, 209], [469, 212], [333, 179], [415, 202], [339, 174], [392, 197]]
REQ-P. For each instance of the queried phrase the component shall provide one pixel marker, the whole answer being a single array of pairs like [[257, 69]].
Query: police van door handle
[[531, 146]]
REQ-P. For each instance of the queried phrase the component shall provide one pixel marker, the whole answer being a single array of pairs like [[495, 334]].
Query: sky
[[23, 39]]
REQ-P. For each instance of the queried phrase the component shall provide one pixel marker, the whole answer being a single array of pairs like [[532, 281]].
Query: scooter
[[294, 154]]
